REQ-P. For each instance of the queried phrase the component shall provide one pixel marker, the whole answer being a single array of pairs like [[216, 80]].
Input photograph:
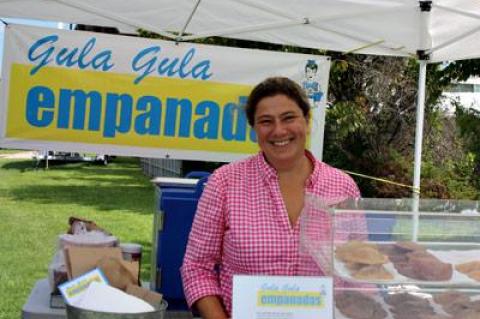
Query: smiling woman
[[247, 218]]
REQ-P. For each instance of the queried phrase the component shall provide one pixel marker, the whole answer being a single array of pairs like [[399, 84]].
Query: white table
[[38, 305]]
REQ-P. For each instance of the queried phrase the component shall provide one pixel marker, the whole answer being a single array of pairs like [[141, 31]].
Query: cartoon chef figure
[[310, 83]]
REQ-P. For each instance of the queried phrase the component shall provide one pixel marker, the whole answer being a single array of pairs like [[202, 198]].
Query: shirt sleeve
[[204, 246]]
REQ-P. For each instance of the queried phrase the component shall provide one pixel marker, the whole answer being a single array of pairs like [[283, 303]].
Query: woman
[[247, 217]]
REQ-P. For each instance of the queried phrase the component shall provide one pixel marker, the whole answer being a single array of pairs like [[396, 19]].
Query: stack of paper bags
[[121, 274]]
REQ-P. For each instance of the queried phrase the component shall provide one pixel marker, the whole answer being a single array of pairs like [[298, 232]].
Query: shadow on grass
[[122, 171], [120, 164], [118, 186], [21, 165], [103, 197]]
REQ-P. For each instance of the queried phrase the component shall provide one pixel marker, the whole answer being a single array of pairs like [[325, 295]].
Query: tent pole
[[182, 32], [422, 77], [423, 55]]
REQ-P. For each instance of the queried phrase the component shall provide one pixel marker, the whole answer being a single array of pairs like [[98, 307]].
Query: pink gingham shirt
[[242, 225]]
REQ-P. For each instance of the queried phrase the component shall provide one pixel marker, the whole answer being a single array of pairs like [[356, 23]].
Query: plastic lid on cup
[[131, 248]]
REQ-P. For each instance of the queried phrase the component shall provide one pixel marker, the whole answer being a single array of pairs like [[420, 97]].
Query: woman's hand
[[210, 307]]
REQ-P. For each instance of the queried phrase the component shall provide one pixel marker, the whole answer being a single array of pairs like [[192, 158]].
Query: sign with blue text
[[110, 94], [282, 297]]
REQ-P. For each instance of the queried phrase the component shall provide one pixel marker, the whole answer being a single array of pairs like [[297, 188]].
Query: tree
[[371, 126], [371, 121]]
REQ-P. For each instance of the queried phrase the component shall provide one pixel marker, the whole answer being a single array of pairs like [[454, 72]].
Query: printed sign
[[120, 95], [73, 290], [281, 297]]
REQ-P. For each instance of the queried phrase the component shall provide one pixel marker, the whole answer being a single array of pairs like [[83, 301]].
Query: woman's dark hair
[[275, 86]]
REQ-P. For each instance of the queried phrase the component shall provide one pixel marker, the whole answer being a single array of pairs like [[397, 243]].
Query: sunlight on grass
[[9, 151], [444, 229], [35, 206]]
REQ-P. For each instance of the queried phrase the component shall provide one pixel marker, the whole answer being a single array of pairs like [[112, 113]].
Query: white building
[[466, 93]]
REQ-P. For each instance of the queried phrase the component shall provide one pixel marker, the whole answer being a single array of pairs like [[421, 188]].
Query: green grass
[[9, 151], [35, 206], [440, 229]]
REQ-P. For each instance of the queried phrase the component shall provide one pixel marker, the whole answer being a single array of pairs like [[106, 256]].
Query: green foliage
[[468, 121], [452, 179], [346, 118], [469, 124], [239, 43], [370, 128], [369, 125]]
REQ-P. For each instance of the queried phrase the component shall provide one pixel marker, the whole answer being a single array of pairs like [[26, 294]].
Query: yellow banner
[[290, 299], [70, 105]]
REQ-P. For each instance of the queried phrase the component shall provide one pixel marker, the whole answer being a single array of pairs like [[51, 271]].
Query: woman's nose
[[279, 128]]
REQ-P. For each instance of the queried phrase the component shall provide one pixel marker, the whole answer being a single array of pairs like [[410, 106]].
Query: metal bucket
[[79, 313]]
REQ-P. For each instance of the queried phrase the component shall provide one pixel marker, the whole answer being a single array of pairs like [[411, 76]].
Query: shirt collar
[[267, 172], [313, 178]]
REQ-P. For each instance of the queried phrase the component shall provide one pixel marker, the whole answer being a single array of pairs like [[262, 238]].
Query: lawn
[[35, 206], [9, 151]]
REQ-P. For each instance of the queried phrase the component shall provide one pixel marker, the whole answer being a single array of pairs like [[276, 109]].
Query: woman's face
[[281, 130]]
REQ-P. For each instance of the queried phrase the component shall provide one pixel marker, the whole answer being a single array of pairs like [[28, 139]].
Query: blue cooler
[[176, 204]]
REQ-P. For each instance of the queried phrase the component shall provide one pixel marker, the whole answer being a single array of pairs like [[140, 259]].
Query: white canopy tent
[[431, 31]]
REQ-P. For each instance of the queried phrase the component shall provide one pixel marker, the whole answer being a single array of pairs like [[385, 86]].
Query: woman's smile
[[281, 130]]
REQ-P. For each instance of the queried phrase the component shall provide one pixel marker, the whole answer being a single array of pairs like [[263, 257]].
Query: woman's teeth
[[281, 143]]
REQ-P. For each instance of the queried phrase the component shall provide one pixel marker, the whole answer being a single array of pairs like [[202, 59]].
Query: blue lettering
[[184, 64], [253, 135], [80, 99], [117, 121], [167, 67], [207, 126], [289, 287], [147, 67], [40, 97], [44, 52], [171, 117], [85, 51], [268, 286], [234, 123], [102, 59], [149, 121], [65, 57], [114, 114], [44, 56], [146, 62], [201, 70]]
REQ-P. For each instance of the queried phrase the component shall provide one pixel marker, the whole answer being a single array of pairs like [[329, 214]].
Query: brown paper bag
[[79, 260], [118, 272]]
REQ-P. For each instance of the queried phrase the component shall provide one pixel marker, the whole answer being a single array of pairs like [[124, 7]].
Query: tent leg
[[422, 77]]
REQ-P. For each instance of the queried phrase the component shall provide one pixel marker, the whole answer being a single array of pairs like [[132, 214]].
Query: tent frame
[[321, 22]]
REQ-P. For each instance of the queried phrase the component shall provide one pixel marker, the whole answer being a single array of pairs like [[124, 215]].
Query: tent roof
[[383, 27]]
